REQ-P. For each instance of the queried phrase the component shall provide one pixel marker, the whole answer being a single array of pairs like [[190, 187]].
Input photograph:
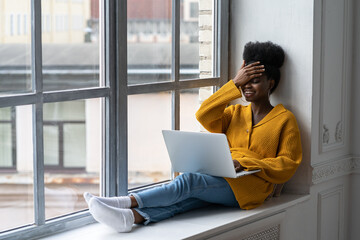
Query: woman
[[260, 136]]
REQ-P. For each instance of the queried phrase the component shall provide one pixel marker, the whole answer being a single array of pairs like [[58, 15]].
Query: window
[[12, 24], [7, 139], [80, 114], [194, 10], [64, 129], [18, 24]]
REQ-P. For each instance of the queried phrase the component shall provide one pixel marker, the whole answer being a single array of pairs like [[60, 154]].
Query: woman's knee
[[188, 180], [188, 177]]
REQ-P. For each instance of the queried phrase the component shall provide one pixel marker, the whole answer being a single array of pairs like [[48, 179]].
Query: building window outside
[[73, 125], [62, 130], [194, 10], [18, 24], [11, 24], [7, 139]]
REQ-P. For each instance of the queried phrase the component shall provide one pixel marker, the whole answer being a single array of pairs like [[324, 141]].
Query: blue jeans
[[188, 191]]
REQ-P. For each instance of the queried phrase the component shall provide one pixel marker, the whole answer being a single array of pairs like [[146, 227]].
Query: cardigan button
[[247, 130]]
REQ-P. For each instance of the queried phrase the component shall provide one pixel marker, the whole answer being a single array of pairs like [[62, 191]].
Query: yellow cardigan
[[273, 145]]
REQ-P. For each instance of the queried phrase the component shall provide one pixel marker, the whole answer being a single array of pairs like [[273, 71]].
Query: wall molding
[[327, 200], [356, 160], [336, 168], [333, 138]]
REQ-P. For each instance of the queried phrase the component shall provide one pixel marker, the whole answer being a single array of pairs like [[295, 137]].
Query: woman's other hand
[[246, 73], [237, 166]]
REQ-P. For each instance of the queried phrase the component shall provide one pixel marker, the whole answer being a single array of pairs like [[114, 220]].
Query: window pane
[[74, 135], [70, 39], [5, 114], [6, 159], [149, 41], [73, 154], [196, 39], [190, 100], [15, 48], [16, 185], [148, 158], [51, 145], [7, 138]]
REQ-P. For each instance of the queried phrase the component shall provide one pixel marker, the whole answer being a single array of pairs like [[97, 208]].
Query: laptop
[[207, 153]]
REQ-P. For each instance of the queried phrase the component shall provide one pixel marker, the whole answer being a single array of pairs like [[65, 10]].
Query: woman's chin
[[248, 99]]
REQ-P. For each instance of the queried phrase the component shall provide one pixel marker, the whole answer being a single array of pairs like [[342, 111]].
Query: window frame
[[113, 71]]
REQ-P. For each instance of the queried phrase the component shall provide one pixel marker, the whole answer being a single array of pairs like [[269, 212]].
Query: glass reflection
[[72, 154], [149, 41], [70, 37], [190, 101], [148, 159], [16, 167], [15, 47], [196, 39]]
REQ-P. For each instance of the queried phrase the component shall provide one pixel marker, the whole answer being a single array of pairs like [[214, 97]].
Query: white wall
[[356, 81], [288, 23], [355, 138], [320, 85]]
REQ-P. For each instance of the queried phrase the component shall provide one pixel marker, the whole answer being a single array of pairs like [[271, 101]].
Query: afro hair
[[269, 54]]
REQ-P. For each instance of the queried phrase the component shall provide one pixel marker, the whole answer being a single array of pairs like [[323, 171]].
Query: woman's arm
[[213, 113]]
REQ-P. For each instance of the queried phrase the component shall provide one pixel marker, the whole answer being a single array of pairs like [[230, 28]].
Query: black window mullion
[[175, 63], [37, 114], [222, 43], [175, 67], [121, 104]]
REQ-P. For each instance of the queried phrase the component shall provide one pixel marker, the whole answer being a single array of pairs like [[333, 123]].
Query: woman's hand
[[237, 166], [246, 73]]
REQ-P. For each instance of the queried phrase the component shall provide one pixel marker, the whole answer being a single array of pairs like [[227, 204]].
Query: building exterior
[[63, 21]]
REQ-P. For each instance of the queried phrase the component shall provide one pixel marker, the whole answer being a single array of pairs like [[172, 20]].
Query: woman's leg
[[117, 202], [119, 219], [186, 192], [201, 186], [122, 220], [188, 185], [156, 214]]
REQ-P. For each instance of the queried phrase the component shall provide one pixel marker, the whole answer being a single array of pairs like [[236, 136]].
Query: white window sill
[[195, 224]]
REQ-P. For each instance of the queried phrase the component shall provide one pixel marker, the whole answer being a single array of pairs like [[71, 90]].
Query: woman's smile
[[249, 93]]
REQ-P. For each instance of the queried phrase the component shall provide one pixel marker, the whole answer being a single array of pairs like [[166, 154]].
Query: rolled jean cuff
[[144, 215], [138, 200]]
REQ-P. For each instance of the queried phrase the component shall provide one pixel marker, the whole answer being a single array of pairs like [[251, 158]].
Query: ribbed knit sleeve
[[213, 113], [289, 155]]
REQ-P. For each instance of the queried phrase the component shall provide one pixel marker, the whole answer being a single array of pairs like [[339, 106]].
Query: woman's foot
[[117, 202], [119, 219]]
